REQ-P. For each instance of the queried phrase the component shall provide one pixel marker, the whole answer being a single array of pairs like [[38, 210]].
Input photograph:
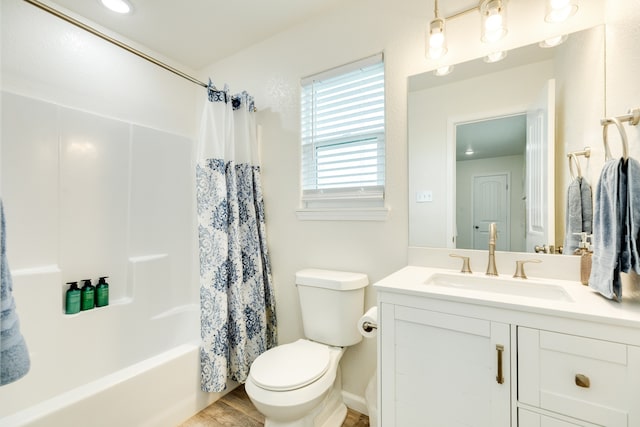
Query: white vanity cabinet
[[440, 369], [457, 358]]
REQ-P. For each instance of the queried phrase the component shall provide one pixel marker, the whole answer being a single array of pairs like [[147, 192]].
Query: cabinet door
[[440, 369]]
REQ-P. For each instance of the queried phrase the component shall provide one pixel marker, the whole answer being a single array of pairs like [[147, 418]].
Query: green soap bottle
[[72, 300], [88, 296], [102, 292]]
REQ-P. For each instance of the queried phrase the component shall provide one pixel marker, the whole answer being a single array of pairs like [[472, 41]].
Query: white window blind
[[342, 126]]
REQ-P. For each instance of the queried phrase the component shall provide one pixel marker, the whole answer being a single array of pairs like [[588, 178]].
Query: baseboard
[[355, 402]]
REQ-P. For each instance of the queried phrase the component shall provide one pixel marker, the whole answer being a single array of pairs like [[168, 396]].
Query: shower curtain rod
[[116, 42]]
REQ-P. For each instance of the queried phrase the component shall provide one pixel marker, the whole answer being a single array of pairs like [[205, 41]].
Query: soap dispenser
[[72, 299], [102, 292], [585, 252], [88, 295]]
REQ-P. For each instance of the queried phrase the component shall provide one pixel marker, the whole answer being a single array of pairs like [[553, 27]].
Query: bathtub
[[132, 363]]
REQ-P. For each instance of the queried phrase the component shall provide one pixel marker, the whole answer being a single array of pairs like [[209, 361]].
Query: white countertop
[[584, 303]]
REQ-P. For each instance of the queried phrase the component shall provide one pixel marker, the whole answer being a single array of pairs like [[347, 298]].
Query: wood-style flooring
[[236, 410]]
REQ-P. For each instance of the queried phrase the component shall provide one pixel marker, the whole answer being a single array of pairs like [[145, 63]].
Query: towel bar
[[633, 117], [573, 159], [623, 135]]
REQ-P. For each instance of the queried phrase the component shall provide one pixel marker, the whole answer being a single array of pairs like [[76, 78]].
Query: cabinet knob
[[582, 381]]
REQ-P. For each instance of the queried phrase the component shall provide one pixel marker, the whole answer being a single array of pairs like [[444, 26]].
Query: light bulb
[[560, 10], [494, 21], [437, 41]]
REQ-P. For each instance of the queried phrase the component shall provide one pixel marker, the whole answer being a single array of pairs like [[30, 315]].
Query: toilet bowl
[[298, 385]]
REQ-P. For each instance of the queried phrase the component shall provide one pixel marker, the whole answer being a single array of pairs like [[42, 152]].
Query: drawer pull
[[500, 377], [582, 381]]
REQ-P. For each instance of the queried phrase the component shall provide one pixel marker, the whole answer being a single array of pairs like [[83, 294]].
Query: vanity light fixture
[[436, 40], [495, 56], [493, 14], [118, 6], [553, 41], [494, 20], [443, 71], [560, 10]]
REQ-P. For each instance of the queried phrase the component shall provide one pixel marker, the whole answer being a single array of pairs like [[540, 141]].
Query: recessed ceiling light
[[118, 6]]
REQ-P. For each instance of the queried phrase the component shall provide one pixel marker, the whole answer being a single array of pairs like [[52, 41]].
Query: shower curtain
[[237, 303]]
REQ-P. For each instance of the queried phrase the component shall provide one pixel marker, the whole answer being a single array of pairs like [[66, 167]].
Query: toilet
[[299, 384]]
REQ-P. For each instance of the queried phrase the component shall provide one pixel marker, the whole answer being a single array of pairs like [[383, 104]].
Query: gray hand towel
[[579, 214], [608, 220], [14, 357], [573, 222]]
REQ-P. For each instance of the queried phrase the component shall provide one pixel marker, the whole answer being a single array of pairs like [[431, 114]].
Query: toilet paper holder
[[369, 326]]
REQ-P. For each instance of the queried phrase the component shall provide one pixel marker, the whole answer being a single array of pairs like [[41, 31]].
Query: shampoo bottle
[[87, 297], [72, 300], [102, 292]]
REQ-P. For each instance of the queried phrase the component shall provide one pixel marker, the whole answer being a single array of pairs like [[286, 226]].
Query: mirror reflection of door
[[490, 201], [487, 149], [539, 181]]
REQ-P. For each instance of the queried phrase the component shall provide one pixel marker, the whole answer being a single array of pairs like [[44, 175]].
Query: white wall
[[623, 63], [271, 71]]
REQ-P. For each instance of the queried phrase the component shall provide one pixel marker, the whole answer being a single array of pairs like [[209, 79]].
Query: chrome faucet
[[491, 266]]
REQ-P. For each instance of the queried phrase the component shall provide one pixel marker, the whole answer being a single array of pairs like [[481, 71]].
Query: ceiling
[[504, 136], [196, 33]]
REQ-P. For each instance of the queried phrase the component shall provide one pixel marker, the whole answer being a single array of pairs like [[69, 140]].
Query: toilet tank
[[331, 303]]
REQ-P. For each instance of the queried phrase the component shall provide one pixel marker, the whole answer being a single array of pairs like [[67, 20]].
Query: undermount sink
[[499, 285]]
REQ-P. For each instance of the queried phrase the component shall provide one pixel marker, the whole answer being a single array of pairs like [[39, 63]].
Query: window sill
[[343, 214]]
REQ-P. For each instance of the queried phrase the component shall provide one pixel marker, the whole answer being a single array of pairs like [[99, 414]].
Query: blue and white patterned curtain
[[237, 302]]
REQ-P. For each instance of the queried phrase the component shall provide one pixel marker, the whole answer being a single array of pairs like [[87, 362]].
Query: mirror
[[491, 109]]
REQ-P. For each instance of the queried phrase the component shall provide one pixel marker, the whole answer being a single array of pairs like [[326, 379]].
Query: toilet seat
[[290, 366]]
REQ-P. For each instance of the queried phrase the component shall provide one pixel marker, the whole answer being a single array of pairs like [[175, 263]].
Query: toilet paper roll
[[368, 324]]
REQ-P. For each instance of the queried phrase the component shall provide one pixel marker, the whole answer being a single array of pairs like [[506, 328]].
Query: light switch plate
[[424, 196]]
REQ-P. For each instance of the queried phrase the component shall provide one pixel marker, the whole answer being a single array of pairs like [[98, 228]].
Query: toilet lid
[[290, 366]]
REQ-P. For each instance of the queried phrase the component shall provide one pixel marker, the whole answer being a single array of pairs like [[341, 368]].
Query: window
[[342, 131]]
